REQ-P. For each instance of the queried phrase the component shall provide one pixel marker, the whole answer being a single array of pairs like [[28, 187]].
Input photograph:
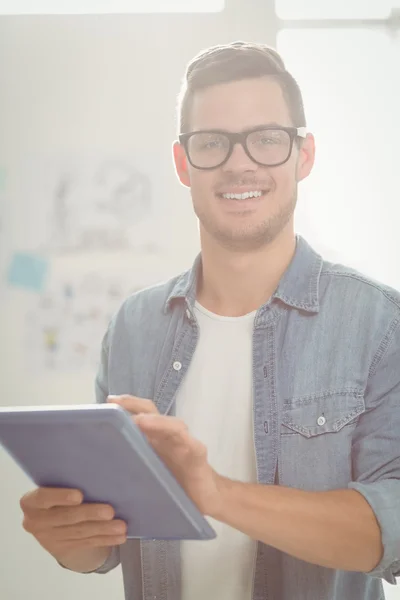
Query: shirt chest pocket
[[316, 439]]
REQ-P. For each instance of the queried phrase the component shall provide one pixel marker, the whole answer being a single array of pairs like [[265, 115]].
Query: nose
[[239, 161]]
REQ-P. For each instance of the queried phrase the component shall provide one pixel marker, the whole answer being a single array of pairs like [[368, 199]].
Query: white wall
[[89, 87]]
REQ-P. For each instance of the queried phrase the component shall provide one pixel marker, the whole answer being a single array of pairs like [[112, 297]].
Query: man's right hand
[[79, 535]]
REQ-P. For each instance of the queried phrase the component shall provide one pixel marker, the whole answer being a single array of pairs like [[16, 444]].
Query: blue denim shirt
[[326, 344]]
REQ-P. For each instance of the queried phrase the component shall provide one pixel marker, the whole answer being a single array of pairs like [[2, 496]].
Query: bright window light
[[352, 96], [59, 7], [340, 9]]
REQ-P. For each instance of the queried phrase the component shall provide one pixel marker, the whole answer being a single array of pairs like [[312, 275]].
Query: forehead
[[239, 105]]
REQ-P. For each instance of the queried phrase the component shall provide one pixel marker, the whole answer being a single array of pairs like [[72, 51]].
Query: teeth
[[242, 196]]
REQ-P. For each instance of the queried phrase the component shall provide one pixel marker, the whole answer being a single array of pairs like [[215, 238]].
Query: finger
[[160, 423], [65, 547], [103, 541], [173, 443], [133, 404], [88, 530], [178, 450], [61, 516], [46, 497], [165, 433], [170, 437]]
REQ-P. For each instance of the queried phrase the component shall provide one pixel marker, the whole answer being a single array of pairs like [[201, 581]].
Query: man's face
[[243, 224]]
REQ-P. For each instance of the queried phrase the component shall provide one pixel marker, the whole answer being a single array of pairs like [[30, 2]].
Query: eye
[[268, 140], [268, 137], [213, 144], [271, 140], [207, 142]]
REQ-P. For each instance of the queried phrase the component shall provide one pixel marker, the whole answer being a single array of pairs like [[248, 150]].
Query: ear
[[181, 164], [306, 158]]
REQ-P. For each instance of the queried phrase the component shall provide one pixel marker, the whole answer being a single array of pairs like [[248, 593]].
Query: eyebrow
[[254, 127], [264, 125]]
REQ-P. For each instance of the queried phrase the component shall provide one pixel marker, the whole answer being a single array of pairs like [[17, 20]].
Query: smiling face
[[243, 205]]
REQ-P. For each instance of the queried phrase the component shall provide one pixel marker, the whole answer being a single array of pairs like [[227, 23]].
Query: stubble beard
[[251, 237]]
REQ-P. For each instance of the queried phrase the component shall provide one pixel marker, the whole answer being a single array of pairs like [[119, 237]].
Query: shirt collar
[[298, 287]]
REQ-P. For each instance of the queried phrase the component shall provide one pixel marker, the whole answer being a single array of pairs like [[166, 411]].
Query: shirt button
[[188, 314], [177, 366], [321, 421]]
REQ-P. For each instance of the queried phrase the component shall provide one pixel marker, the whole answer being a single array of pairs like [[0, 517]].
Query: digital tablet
[[98, 449]]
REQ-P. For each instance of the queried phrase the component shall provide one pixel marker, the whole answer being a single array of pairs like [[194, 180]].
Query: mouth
[[241, 196]]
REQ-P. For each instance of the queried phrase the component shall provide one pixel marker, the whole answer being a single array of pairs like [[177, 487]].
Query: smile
[[243, 196]]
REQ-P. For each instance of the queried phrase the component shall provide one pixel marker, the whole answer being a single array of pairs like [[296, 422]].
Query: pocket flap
[[325, 413]]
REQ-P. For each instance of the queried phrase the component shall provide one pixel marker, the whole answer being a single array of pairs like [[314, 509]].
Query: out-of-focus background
[[91, 210]]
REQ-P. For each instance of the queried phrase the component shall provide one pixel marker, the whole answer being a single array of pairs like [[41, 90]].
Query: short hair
[[234, 62]]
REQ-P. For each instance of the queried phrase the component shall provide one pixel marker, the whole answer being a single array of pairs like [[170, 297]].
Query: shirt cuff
[[384, 499], [110, 563]]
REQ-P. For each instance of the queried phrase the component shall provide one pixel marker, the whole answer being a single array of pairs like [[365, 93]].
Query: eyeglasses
[[268, 146]]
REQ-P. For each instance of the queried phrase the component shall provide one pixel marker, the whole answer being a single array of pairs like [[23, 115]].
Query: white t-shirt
[[215, 400]]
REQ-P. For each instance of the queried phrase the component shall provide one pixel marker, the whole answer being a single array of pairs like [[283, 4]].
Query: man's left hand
[[184, 456]]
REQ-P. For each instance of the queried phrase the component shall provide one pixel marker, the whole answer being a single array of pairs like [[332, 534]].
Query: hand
[[184, 456], [64, 525]]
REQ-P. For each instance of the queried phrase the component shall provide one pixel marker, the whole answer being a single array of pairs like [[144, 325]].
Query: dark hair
[[234, 62]]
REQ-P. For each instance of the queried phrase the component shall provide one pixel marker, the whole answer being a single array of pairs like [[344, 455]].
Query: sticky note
[[27, 271]]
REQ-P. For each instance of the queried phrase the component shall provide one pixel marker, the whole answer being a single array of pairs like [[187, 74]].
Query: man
[[266, 378]]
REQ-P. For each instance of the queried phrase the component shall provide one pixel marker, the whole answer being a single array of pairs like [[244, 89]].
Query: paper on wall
[[64, 330], [78, 203]]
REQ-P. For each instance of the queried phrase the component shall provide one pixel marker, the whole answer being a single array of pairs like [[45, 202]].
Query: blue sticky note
[[27, 271]]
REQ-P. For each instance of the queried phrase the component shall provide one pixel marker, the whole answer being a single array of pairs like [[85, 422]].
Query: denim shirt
[[326, 402]]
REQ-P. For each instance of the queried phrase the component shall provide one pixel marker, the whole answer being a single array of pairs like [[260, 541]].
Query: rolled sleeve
[[376, 449], [111, 562], [384, 499]]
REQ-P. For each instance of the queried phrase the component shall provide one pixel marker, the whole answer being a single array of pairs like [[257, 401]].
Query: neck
[[237, 283]]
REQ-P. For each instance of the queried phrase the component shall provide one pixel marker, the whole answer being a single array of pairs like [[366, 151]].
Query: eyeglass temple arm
[[302, 132]]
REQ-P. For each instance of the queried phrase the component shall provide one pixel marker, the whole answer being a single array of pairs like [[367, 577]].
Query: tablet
[[98, 449]]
